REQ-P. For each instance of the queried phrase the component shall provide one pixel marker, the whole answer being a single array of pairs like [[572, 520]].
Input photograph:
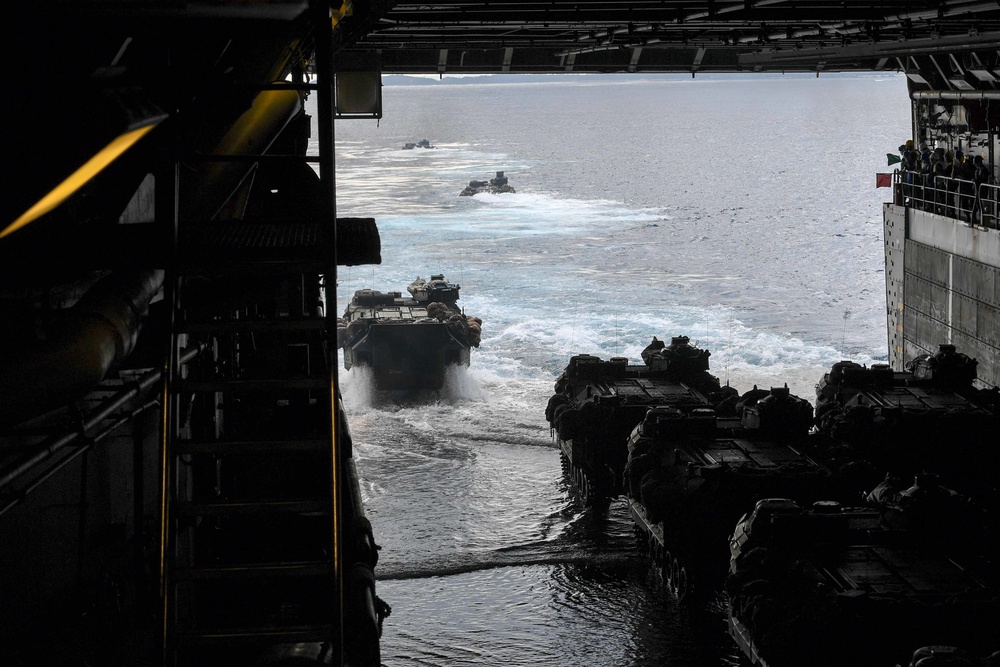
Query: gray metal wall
[[894, 221], [942, 286]]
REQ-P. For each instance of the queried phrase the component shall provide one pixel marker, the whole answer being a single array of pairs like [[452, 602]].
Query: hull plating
[[407, 356]]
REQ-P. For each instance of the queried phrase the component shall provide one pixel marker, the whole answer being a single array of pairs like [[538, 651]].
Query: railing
[[977, 204], [989, 198]]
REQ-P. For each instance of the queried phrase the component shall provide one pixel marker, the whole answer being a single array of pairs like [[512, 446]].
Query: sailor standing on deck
[[964, 173], [980, 175], [940, 169], [926, 180], [947, 184], [981, 171]]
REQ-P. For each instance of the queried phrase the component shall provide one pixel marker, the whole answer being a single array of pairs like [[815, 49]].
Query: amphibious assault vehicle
[[423, 143], [496, 185], [597, 403], [829, 586], [690, 475], [408, 342], [928, 418]]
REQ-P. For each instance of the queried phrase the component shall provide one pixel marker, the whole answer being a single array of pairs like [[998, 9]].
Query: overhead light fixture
[[358, 94], [104, 124], [357, 85]]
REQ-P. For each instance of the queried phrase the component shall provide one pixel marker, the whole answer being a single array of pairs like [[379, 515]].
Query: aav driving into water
[[423, 143], [597, 403], [496, 185], [408, 342]]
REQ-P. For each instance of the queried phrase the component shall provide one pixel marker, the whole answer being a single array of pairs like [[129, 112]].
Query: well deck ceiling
[[672, 36]]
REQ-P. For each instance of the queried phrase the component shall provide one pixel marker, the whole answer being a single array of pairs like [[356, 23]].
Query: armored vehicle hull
[[690, 476], [597, 403], [929, 418], [832, 586], [496, 185], [408, 343]]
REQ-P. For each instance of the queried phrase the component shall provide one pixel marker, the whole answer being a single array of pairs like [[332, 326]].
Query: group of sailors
[[944, 181]]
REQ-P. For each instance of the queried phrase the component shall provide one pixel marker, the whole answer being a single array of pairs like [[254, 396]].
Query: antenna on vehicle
[[617, 348], [572, 336], [843, 340], [729, 347]]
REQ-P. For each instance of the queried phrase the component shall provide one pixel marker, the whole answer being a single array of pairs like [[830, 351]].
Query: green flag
[[893, 159]]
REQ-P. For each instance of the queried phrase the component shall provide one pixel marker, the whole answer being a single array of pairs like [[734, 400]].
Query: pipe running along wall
[[90, 339], [956, 95], [205, 188]]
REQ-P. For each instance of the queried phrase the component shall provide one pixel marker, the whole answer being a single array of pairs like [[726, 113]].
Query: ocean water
[[740, 212]]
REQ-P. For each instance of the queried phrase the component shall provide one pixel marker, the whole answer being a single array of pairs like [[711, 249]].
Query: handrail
[[975, 203], [80, 437], [13, 499], [988, 195]]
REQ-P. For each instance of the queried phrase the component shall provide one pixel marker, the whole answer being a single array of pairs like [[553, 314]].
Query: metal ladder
[[250, 478], [264, 546]]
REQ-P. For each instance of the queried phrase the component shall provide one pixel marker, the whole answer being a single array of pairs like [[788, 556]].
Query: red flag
[[883, 180]]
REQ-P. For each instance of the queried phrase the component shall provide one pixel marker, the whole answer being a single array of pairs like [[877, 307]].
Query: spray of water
[[361, 395], [357, 387], [462, 386]]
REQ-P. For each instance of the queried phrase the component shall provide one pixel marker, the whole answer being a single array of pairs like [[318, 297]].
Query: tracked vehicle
[[928, 418], [408, 342], [597, 403], [691, 475], [499, 184], [829, 585]]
